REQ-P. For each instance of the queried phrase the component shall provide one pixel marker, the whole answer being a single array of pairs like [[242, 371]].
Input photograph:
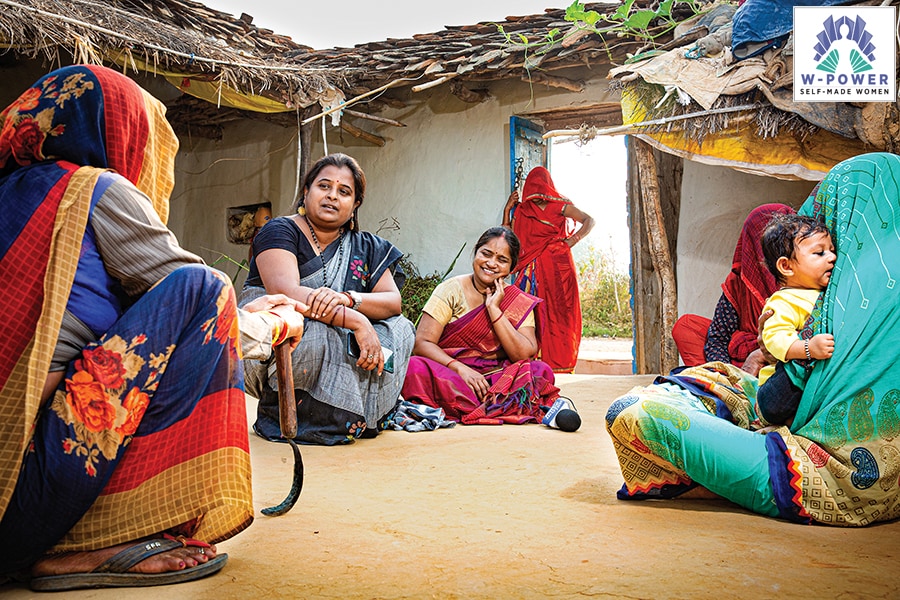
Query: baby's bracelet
[[806, 347]]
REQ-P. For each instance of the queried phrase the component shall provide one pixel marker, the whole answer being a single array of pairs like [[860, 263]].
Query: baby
[[800, 254]]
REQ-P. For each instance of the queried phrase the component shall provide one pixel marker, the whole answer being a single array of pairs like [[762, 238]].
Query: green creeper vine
[[626, 21]]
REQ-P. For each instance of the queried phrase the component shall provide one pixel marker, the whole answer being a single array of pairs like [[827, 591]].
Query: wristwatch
[[355, 298]]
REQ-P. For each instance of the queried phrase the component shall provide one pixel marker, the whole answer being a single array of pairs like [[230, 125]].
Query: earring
[[301, 209]]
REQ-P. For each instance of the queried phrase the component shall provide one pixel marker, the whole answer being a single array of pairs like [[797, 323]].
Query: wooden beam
[[362, 134], [660, 254], [553, 81]]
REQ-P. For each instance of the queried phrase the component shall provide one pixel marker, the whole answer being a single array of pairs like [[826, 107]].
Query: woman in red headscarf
[[730, 336], [545, 221]]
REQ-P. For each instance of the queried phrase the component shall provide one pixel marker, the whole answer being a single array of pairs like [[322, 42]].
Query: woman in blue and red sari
[[475, 344], [123, 431]]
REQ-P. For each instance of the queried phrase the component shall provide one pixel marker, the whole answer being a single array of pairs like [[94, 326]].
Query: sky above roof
[[329, 24]]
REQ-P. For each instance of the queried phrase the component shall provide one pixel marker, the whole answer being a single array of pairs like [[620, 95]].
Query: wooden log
[[467, 95], [559, 82], [362, 134], [660, 255], [433, 83], [306, 131], [643, 284]]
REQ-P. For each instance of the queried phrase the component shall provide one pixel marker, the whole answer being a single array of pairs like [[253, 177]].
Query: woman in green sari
[[839, 461]]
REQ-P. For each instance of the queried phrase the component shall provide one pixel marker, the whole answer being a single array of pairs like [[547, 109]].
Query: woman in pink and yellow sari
[[475, 343]]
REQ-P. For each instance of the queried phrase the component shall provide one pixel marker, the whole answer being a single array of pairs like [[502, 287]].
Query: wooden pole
[[306, 131], [362, 134], [659, 251]]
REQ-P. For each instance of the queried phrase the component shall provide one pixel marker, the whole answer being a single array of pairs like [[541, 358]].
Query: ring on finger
[[371, 357], [202, 550]]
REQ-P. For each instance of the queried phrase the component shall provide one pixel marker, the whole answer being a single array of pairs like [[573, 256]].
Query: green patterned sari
[[839, 462]]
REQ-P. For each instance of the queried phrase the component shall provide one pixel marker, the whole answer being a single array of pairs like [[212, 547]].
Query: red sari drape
[[518, 390], [749, 282], [546, 269]]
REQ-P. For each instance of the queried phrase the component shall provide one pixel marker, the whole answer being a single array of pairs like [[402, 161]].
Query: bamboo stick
[[377, 119], [344, 105], [623, 129]]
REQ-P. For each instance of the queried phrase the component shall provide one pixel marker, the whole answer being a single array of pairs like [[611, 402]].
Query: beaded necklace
[[315, 239], [484, 293]]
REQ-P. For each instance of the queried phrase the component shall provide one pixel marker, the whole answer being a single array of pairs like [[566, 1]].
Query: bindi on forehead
[[341, 175]]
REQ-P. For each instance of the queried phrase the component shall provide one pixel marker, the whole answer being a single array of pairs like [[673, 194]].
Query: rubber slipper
[[113, 572]]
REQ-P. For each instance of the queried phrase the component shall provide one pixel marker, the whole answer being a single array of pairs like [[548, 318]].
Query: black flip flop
[[113, 572]]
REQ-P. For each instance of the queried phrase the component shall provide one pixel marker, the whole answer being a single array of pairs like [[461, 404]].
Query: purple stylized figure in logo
[[856, 31]]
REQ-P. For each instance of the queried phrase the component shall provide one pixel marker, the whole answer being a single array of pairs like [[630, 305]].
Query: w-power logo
[[845, 54]]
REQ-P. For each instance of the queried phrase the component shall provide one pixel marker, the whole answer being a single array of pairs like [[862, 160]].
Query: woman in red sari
[[475, 344], [731, 335], [544, 222]]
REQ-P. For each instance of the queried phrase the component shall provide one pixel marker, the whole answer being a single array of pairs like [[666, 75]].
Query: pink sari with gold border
[[518, 390]]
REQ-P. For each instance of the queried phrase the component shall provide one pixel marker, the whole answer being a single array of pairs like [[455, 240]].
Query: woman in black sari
[[346, 277]]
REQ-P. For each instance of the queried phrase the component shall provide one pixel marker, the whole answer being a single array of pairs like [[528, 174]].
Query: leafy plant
[[625, 21], [630, 21], [417, 289], [605, 296]]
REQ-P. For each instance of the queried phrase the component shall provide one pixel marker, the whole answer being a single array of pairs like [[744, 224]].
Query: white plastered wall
[[438, 182], [714, 203], [444, 178]]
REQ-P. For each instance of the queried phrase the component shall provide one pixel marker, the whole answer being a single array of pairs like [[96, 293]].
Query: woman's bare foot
[[176, 559]]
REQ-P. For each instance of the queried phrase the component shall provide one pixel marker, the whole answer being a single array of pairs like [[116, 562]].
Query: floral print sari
[[125, 446]]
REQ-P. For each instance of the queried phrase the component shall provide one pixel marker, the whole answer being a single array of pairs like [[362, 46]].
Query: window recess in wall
[[245, 221]]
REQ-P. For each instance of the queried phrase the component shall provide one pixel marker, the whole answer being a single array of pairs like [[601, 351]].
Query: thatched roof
[[177, 37], [468, 57], [188, 42]]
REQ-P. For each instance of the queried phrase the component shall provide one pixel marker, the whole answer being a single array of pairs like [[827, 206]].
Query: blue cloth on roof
[[762, 24]]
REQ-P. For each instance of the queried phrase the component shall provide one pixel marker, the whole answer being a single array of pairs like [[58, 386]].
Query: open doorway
[[593, 175]]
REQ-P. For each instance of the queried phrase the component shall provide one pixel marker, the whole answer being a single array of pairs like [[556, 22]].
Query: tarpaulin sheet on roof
[[213, 92], [762, 24], [707, 78], [703, 79], [783, 156]]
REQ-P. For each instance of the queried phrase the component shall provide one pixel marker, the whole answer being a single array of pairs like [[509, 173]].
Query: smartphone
[[353, 350]]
